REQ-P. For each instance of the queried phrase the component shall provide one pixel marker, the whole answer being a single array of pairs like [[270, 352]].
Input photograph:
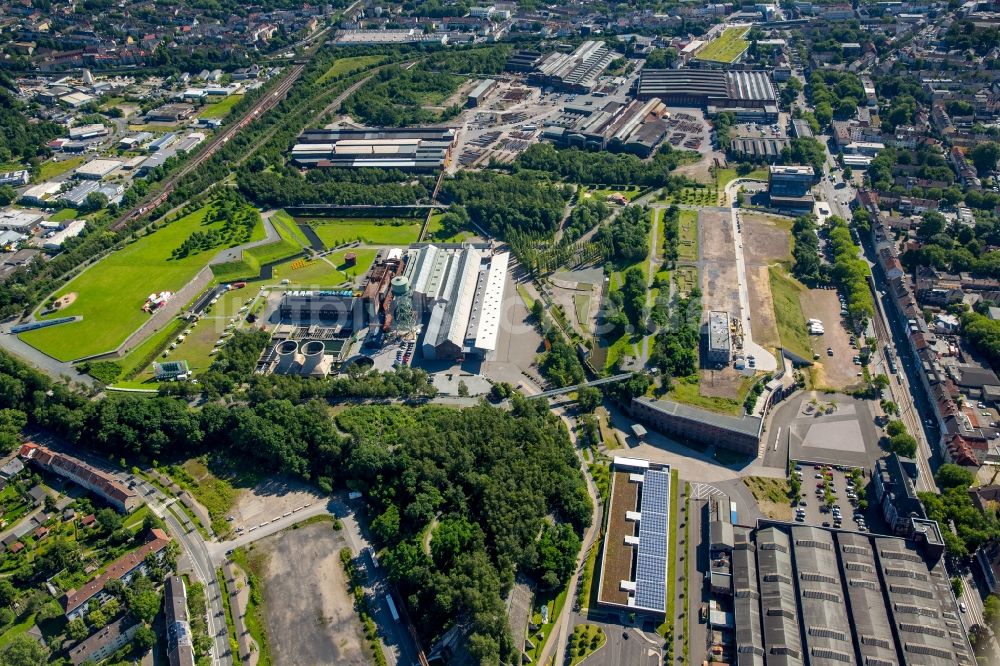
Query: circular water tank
[[400, 285]]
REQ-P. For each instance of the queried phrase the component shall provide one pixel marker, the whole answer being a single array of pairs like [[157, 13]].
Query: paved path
[[236, 253], [765, 360], [39, 360]]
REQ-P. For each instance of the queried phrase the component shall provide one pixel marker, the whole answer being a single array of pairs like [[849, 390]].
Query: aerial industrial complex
[[807, 595], [413, 149], [751, 95]]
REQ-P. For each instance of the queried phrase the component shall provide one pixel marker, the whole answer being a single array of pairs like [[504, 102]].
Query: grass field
[[687, 390], [346, 65], [785, 291], [110, 294], [727, 47], [221, 108], [217, 495], [64, 215], [318, 273], [291, 243], [387, 231], [51, 168], [687, 241], [435, 232], [630, 193], [581, 303]]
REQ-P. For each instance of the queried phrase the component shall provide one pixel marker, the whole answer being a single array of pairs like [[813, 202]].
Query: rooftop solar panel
[[651, 564]]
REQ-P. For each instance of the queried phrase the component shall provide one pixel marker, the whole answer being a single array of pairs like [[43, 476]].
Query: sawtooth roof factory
[[579, 71], [410, 149], [609, 123], [750, 94], [809, 595]]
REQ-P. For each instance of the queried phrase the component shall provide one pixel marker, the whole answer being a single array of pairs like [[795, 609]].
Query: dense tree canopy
[[483, 481]]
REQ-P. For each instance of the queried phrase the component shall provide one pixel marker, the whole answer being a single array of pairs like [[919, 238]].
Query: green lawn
[[727, 47], [666, 629], [630, 193], [51, 168], [386, 231], [64, 215], [586, 639], [687, 278], [137, 363], [319, 273], [435, 232], [587, 587], [687, 390], [110, 294], [785, 291], [346, 65], [581, 303], [290, 245], [221, 108], [687, 241]]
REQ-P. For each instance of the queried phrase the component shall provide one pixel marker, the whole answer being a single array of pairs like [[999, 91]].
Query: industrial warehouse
[[751, 95], [634, 561], [411, 149], [577, 72], [610, 124], [455, 293], [804, 594]]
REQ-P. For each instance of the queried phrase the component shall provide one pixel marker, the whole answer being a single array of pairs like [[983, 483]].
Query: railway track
[[262, 106]]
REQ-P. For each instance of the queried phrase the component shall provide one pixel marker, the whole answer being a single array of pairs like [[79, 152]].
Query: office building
[[719, 350], [636, 550], [789, 188]]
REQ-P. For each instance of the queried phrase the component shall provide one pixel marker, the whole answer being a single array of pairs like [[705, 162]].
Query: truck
[[392, 607]]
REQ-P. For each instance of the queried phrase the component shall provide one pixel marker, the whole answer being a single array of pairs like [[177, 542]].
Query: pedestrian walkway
[[705, 491]]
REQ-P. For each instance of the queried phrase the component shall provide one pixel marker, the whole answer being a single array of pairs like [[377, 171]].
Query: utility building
[[720, 345]]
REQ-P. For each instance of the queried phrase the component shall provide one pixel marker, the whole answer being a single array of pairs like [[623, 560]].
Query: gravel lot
[[271, 499], [310, 615], [837, 371]]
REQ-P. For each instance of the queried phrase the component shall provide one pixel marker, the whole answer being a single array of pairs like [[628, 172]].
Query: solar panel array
[[651, 569]]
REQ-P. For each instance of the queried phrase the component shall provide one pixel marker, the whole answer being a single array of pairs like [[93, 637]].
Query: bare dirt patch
[[310, 615], [721, 383], [838, 371], [764, 240], [65, 301], [271, 499]]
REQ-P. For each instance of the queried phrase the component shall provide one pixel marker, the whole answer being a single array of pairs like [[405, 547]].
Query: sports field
[[220, 109], [381, 231], [110, 295], [727, 47]]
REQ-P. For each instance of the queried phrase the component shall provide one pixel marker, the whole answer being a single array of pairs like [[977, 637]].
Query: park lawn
[[319, 273], [785, 292], [283, 219], [587, 587], [51, 168], [221, 108], [687, 241], [629, 192], [529, 302], [435, 232], [726, 47], [687, 390], [347, 65], [289, 245], [544, 632], [386, 231], [110, 294]]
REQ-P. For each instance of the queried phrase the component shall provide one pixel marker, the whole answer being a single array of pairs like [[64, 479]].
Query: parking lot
[[812, 509]]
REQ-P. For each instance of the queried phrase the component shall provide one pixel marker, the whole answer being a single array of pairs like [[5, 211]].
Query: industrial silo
[[400, 285], [313, 353]]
